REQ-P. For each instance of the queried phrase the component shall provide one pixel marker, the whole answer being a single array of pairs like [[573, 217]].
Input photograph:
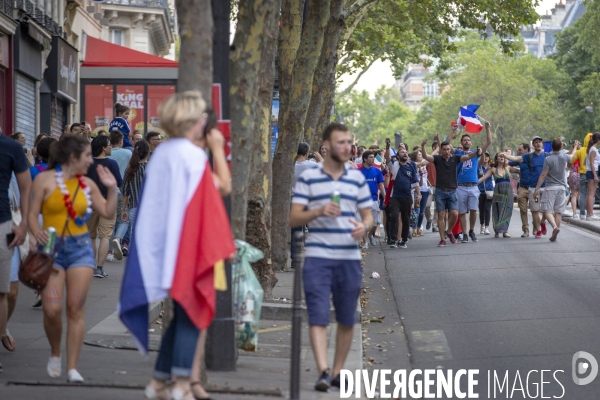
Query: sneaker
[[451, 237], [482, 231], [125, 249], [442, 243], [74, 377], [544, 229], [53, 367], [117, 248], [472, 236], [486, 231], [525, 234], [465, 239], [592, 218], [99, 273], [575, 216], [393, 244], [538, 235], [435, 229], [459, 236], [324, 382], [110, 257], [555, 233], [372, 241], [409, 235], [336, 382], [428, 226], [365, 246], [38, 301], [402, 245]]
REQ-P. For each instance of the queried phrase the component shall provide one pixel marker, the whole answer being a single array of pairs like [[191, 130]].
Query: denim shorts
[[321, 277], [589, 175], [75, 251], [446, 200]]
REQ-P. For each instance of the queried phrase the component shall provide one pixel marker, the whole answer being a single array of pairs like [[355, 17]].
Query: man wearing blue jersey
[[535, 162], [374, 179], [467, 191]]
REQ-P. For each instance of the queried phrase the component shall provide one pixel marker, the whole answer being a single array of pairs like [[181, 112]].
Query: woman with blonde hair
[[66, 198], [175, 256]]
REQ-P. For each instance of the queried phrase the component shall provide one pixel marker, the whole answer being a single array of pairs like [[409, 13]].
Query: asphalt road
[[501, 306]]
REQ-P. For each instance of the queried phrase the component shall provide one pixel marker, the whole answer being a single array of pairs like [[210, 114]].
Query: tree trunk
[[328, 101], [290, 31], [291, 121], [255, 17], [258, 223], [195, 20], [325, 69]]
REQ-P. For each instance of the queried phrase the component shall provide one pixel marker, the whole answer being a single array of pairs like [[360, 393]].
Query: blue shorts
[[75, 251], [589, 175], [321, 277], [446, 200]]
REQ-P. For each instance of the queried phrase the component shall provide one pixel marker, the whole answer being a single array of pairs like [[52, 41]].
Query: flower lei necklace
[[79, 221]]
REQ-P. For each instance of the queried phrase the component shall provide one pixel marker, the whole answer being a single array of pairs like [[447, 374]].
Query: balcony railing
[[6, 7], [146, 3], [39, 16]]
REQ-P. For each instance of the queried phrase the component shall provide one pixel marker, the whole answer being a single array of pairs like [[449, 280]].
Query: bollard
[[296, 317]]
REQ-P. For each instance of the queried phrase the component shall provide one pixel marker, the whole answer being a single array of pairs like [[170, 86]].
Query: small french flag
[[378, 161], [468, 119]]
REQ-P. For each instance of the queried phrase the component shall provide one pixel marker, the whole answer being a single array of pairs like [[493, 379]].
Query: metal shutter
[[25, 112], [57, 117]]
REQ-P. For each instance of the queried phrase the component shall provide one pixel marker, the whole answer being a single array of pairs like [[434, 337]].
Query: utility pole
[[221, 352]]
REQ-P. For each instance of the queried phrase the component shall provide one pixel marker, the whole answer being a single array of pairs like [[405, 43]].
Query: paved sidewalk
[[121, 374]]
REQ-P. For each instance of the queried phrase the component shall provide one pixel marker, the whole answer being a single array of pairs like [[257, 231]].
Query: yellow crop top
[[54, 210]]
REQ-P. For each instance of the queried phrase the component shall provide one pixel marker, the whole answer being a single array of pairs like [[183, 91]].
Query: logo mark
[[579, 367]]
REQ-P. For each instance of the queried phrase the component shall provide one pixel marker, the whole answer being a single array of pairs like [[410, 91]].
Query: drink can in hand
[[49, 246], [336, 197]]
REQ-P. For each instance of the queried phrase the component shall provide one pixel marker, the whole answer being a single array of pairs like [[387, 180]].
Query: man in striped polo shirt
[[332, 255]]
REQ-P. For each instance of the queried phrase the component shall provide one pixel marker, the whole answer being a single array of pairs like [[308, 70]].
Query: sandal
[[8, 341], [157, 394], [505, 235], [192, 384], [497, 235]]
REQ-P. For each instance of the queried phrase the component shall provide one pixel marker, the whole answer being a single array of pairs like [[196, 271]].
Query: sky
[[380, 73]]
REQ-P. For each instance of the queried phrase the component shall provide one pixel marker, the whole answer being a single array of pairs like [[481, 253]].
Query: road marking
[[277, 328], [433, 342]]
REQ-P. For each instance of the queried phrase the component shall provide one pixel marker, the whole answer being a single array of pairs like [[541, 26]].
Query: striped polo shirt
[[331, 237]]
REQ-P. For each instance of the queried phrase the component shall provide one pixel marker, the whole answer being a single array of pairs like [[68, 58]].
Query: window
[[117, 37], [430, 89]]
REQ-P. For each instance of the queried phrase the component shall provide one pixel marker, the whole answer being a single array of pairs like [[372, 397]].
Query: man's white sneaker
[[575, 216], [110, 257], [592, 218], [365, 246], [117, 248], [486, 231], [482, 231]]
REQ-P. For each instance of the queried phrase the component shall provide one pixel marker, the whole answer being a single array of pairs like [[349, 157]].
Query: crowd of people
[[81, 194], [397, 195], [445, 188]]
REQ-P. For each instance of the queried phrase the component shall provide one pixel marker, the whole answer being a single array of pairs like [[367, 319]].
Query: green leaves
[[518, 94]]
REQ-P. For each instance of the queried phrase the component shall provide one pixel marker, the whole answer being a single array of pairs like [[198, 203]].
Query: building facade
[[414, 88], [540, 40], [42, 45]]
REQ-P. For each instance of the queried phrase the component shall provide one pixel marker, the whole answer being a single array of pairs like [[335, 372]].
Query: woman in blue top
[[485, 202]]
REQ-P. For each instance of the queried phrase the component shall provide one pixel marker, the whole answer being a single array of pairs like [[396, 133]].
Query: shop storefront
[[59, 89], [114, 74], [7, 30], [30, 41]]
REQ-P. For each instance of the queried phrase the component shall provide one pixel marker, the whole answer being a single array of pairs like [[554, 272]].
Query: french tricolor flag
[[468, 119], [181, 231]]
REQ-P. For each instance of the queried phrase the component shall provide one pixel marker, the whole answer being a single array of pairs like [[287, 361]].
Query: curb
[[583, 224], [283, 312]]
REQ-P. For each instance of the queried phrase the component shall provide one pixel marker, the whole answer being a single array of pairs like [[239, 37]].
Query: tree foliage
[[370, 119], [578, 55], [518, 94], [402, 30]]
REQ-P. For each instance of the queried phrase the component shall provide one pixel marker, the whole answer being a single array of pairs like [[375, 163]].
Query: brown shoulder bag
[[35, 270]]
